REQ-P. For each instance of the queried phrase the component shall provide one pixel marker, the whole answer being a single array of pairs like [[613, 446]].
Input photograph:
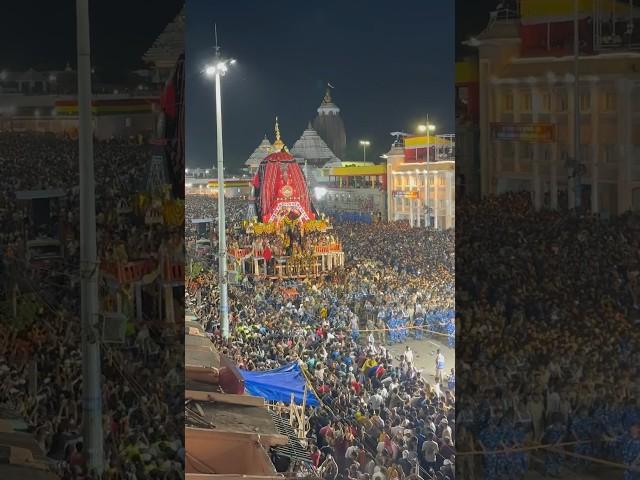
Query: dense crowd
[[381, 417], [549, 339], [40, 355]]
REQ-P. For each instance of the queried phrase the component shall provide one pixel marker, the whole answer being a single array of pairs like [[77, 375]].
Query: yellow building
[[421, 181], [526, 97]]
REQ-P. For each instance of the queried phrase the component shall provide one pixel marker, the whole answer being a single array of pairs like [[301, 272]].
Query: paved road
[[424, 352]]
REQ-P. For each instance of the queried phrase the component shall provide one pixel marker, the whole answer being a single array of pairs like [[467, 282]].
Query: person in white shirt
[[440, 364], [430, 451], [375, 401], [408, 355]]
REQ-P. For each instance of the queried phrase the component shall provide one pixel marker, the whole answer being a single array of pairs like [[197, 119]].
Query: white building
[[421, 191]]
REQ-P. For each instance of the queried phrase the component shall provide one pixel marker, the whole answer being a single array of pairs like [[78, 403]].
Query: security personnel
[[582, 429], [451, 332], [631, 453], [490, 440], [553, 434]]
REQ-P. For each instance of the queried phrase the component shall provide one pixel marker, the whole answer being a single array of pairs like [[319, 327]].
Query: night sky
[[42, 34], [391, 64], [472, 16]]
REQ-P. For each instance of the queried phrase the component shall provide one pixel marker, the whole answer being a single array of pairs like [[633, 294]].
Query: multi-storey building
[[421, 181], [527, 93], [467, 158]]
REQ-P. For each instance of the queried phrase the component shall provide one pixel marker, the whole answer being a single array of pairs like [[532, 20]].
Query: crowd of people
[[40, 344], [381, 416], [549, 342]]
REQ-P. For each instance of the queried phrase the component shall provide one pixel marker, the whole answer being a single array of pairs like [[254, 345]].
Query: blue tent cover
[[278, 385]]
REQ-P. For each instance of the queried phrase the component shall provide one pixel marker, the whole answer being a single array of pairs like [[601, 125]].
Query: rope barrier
[[529, 448], [533, 447], [408, 327], [629, 468]]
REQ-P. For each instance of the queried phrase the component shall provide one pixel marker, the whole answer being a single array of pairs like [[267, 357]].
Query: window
[[585, 102], [585, 153], [507, 102], [526, 151], [635, 200], [610, 99], [525, 102], [564, 155], [507, 150], [562, 102], [608, 153], [546, 102]]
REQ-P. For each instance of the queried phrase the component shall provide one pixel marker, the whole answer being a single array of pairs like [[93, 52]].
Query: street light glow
[[319, 192], [423, 128], [210, 70], [366, 143]]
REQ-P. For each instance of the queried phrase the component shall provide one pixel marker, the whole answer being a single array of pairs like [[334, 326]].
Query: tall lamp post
[[365, 144], [91, 372], [217, 70], [427, 128], [577, 167]]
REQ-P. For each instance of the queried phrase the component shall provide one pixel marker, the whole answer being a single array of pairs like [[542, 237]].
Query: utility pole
[[222, 226], [577, 166], [91, 374]]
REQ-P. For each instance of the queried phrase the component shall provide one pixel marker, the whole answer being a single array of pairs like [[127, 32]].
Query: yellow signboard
[[543, 11], [357, 171], [523, 132], [412, 195], [424, 141]]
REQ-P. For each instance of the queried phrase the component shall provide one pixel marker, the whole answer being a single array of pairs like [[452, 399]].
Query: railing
[[129, 272], [239, 252], [173, 271], [334, 247]]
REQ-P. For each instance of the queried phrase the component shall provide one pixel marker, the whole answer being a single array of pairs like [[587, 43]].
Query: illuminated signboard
[[404, 194], [523, 132]]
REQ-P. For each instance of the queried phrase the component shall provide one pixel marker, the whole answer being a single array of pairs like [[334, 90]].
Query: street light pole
[[91, 374], [428, 140], [222, 227], [218, 69], [365, 144], [577, 167]]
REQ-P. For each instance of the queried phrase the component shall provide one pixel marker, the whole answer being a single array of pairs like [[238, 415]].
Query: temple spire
[[278, 145], [327, 94], [277, 130]]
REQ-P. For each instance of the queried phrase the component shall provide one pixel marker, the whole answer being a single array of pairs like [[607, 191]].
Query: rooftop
[[169, 45], [259, 153], [311, 147]]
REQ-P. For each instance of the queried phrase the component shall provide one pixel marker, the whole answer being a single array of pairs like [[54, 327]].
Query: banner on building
[[523, 132], [404, 194]]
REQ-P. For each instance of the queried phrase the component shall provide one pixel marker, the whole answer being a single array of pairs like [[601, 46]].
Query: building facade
[[467, 133], [357, 189], [421, 190], [527, 98]]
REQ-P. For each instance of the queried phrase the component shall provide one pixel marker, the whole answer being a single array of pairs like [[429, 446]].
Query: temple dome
[[259, 154], [311, 148], [330, 126]]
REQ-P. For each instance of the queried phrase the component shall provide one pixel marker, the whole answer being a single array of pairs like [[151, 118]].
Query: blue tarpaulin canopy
[[278, 385]]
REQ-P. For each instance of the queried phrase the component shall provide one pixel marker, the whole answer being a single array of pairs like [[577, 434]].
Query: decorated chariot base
[[287, 248], [287, 238]]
